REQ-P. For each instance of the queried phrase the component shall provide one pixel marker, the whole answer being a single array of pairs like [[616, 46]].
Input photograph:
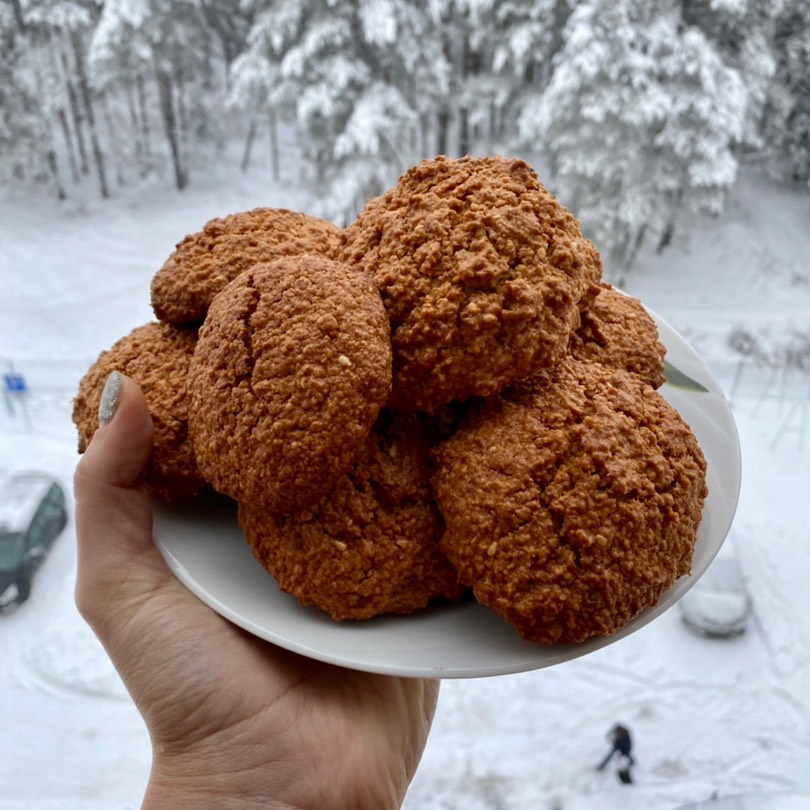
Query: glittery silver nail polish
[[109, 397]]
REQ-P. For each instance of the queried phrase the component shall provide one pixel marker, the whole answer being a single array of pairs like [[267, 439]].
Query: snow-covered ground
[[707, 716]]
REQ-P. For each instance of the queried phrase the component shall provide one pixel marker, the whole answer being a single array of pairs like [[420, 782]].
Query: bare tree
[[76, 114], [87, 103], [19, 19], [165, 86]]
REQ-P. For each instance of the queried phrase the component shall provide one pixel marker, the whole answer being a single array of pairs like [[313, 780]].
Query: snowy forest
[[636, 113]]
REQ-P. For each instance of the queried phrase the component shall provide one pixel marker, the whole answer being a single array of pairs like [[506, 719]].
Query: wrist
[[160, 796], [181, 786], [193, 786]]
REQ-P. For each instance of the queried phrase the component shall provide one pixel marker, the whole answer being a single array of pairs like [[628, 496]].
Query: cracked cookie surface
[[617, 331], [204, 262], [157, 356], [371, 545], [481, 271], [571, 500], [292, 367]]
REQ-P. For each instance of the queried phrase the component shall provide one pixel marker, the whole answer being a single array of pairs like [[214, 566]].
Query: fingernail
[[109, 397]]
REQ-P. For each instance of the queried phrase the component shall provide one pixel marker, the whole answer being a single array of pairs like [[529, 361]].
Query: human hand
[[234, 721]]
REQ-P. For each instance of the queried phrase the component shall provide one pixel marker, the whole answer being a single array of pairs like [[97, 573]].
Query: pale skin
[[234, 722]]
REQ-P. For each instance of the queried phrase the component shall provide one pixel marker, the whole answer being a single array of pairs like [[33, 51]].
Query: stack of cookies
[[441, 398]]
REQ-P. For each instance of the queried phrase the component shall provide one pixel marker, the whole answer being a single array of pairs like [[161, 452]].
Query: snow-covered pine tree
[[37, 91], [77, 47], [374, 118], [638, 122], [355, 77], [22, 127], [168, 45], [386, 131], [595, 123], [491, 48], [695, 159], [464, 114], [787, 120], [229, 24], [527, 34], [254, 76], [742, 32], [402, 44], [312, 49]]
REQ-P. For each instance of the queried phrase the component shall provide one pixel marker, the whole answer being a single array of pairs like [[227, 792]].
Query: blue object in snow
[[15, 383]]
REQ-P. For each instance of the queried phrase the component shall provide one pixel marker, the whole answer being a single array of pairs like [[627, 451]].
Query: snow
[[707, 716], [21, 496]]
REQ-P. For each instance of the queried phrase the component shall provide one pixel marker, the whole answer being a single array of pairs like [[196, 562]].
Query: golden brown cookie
[[369, 547], [204, 262], [572, 501], [481, 271], [617, 331], [292, 367], [157, 357]]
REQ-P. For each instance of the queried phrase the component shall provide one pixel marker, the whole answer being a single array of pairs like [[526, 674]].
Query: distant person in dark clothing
[[622, 744]]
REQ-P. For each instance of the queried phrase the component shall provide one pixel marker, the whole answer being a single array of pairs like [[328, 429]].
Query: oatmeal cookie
[[157, 357], [617, 331], [292, 367], [481, 271], [204, 262], [371, 546], [572, 501]]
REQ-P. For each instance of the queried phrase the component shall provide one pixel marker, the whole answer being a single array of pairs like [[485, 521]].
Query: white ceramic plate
[[206, 550]]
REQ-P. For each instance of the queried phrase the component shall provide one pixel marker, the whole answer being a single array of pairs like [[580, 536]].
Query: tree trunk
[[140, 86], [624, 255], [112, 135], [75, 114], [183, 125], [274, 154], [84, 89], [16, 8], [464, 146], [493, 125], [444, 114], [70, 148], [442, 130], [31, 105], [251, 136], [471, 64], [78, 126], [61, 116], [424, 136], [562, 11], [54, 168], [641, 234], [164, 84], [135, 127], [666, 238]]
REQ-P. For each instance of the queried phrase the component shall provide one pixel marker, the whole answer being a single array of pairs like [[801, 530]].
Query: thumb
[[120, 449], [117, 560]]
